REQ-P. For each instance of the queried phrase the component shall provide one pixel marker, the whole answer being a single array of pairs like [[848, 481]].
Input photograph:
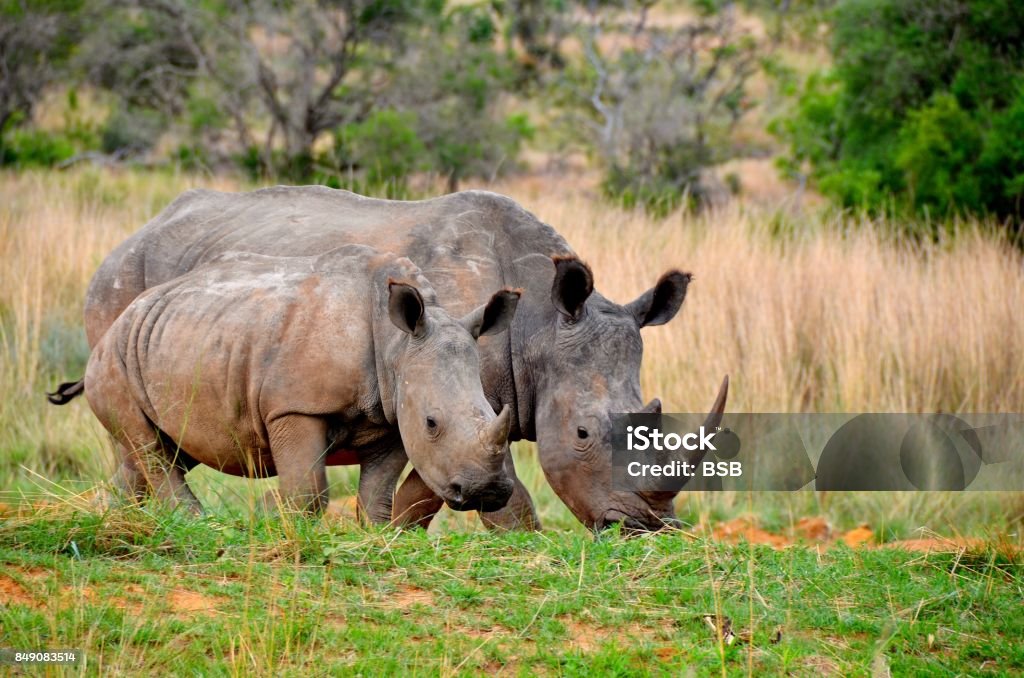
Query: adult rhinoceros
[[570, 360]]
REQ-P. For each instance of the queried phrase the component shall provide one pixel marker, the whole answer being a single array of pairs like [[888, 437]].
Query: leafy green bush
[[923, 109], [30, 147], [379, 153], [661, 111], [131, 131], [455, 79], [1002, 158], [192, 158], [666, 178]]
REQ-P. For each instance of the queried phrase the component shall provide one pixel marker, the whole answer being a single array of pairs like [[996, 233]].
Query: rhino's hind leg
[[128, 480], [415, 503], [297, 446], [146, 470], [149, 461], [518, 513], [127, 483]]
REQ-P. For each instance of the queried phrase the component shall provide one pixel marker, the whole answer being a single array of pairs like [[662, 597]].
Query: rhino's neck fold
[[522, 386], [388, 345]]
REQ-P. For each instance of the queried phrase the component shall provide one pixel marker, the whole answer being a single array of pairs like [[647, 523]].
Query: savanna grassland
[[805, 311]]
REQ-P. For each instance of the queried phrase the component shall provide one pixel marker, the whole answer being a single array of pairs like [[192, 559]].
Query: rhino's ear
[[405, 307], [660, 304], [493, 317], [572, 286]]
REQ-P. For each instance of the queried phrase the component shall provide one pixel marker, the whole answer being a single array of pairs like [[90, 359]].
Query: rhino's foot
[[522, 517], [273, 502], [518, 514]]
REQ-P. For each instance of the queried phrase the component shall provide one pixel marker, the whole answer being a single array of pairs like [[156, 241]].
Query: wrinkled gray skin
[[570, 360], [260, 366]]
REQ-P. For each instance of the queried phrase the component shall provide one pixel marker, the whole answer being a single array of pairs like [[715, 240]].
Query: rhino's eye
[[582, 433], [431, 423]]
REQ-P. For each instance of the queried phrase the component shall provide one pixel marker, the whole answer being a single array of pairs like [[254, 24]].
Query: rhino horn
[[718, 409], [498, 430], [712, 421], [714, 417]]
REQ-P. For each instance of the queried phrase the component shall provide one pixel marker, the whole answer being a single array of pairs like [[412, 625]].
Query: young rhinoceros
[[260, 366]]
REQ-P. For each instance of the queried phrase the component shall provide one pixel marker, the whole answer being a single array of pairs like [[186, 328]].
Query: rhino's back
[[302, 220], [465, 242], [206, 354]]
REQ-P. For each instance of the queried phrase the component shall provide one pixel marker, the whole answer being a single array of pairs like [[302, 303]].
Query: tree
[[454, 81], [662, 98], [921, 110], [36, 39], [288, 72]]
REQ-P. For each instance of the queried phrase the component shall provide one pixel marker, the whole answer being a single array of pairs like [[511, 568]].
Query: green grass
[[140, 590], [56, 228]]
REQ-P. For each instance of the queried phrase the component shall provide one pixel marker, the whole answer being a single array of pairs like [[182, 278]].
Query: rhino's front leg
[[518, 513], [297, 445], [378, 476], [415, 503]]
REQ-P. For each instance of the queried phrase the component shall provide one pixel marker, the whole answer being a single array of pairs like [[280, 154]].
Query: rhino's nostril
[[455, 492]]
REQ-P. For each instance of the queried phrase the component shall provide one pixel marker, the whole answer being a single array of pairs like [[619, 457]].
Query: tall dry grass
[[832, 316], [804, 313], [55, 229]]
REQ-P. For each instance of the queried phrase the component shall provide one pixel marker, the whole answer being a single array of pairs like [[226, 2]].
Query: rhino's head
[[449, 430], [584, 359]]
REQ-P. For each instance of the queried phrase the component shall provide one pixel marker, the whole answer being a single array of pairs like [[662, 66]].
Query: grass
[[805, 312], [140, 590]]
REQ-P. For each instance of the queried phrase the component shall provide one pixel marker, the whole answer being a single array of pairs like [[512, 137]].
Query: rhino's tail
[[67, 392]]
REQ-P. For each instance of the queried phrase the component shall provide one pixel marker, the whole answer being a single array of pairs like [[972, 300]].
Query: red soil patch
[[812, 529], [935, 545], [809, 529], [860, 535], [13, 593], [407, 596], [34, 574], [745, 529], [817, 531], [191, 602], [133, 605], [30, 590], [584, 637], [587, 637]]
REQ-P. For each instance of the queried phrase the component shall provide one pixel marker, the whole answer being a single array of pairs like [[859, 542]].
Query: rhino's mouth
[[630, 523], [476, 504], [491, 499]]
